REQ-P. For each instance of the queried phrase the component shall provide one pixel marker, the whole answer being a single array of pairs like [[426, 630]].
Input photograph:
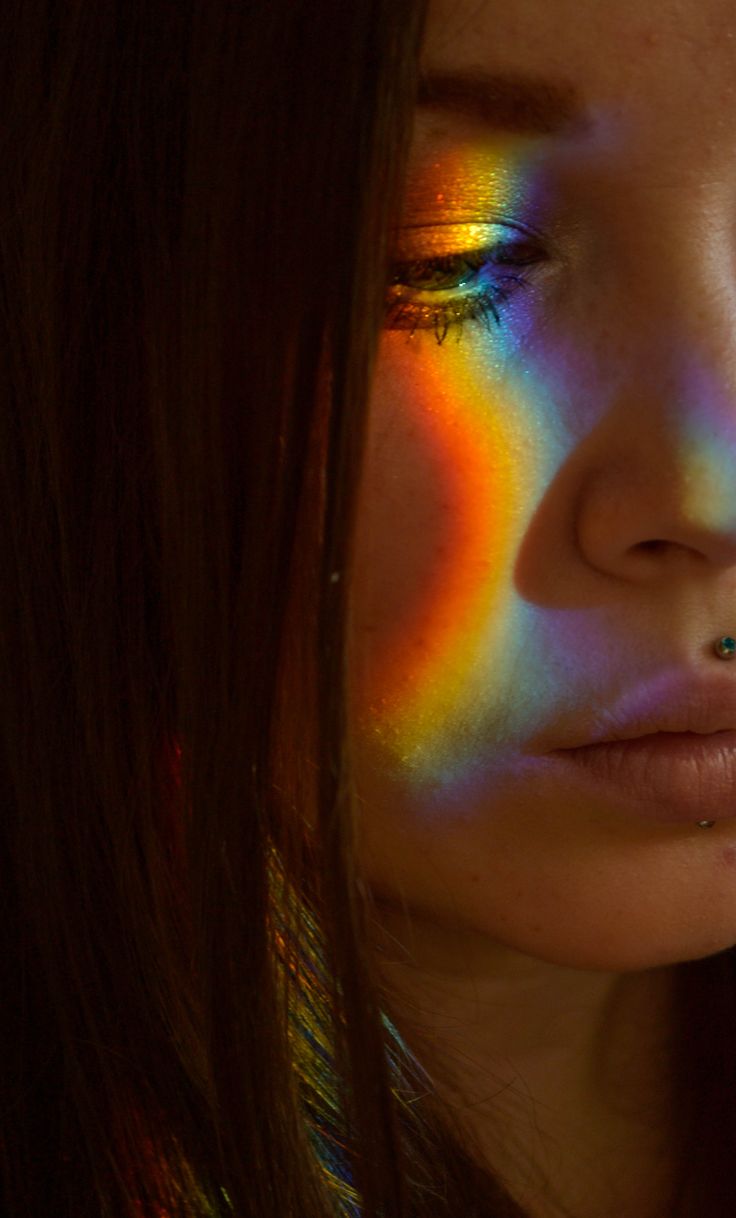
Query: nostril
[[653, 547]]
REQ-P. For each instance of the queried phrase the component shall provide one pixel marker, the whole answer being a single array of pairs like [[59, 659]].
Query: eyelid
[[455, 236]]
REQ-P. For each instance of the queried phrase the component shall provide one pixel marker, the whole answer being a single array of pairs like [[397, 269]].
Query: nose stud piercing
[[725, 647]]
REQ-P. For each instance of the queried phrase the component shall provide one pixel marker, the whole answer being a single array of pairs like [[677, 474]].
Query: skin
[[527, 937]]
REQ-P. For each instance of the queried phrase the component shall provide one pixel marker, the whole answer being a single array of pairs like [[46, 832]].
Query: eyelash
[[404, 311]]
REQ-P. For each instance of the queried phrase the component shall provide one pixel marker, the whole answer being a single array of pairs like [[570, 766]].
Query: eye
[[449, 288], [451, 271], [438, 274]]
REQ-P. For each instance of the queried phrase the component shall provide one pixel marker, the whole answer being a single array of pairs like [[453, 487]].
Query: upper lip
[[668, 703]]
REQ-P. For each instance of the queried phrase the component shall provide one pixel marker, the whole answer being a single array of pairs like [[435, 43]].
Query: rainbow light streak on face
[[475, 417], [708, 448]]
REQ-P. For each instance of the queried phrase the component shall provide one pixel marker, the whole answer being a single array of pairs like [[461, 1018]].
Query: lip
[[666, 777], [670, 702], [666, 749]]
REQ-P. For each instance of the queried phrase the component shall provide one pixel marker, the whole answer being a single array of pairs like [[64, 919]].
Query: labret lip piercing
[[725, 649]]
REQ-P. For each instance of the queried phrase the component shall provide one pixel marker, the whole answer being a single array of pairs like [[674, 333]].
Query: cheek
[[410, 527], [449, 480]]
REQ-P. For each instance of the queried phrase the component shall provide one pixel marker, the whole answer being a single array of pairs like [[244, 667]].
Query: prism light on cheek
[[439, 534]]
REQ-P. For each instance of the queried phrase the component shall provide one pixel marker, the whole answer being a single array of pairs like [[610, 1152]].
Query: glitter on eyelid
[[470, 185], [447, 239]]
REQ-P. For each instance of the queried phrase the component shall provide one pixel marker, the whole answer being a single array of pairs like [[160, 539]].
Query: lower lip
[[670, 777]]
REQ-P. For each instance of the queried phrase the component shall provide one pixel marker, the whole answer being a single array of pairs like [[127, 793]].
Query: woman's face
[[546, 548]]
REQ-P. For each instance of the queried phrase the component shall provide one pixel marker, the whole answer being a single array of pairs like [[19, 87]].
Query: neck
[[560, 1078]]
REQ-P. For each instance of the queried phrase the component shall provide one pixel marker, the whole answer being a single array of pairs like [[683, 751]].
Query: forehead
[[663, 65]]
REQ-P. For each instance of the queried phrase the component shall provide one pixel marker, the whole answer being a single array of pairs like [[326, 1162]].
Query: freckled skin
[[624, 360]]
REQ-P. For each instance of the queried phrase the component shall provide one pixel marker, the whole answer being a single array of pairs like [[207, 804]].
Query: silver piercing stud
[[706, 824], [725, 647]]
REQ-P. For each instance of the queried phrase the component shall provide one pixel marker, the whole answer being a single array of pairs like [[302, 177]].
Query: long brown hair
[[195, 208]]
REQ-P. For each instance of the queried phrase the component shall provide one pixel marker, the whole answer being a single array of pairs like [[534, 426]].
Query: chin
[[628, 950]]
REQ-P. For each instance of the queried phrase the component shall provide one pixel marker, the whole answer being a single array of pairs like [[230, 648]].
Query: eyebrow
[[525, 105]]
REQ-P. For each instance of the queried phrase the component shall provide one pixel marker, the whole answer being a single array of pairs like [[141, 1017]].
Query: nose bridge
[[688, 353], [680, 263], [705, 456], [659, 477], [670, 429], [678, 309]]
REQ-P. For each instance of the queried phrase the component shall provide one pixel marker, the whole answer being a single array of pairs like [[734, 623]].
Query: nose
[[657, 490]]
